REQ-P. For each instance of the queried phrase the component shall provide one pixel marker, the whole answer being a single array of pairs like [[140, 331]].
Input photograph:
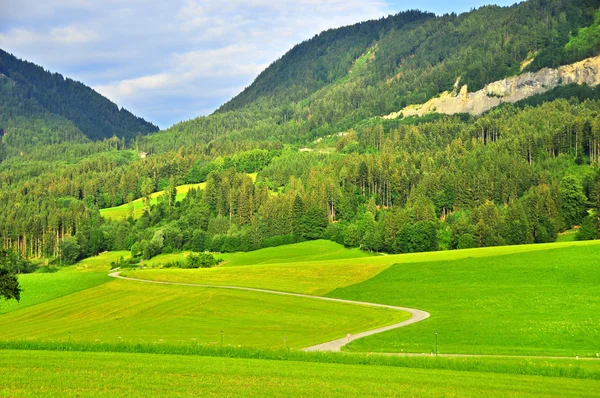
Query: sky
[[169, 61]]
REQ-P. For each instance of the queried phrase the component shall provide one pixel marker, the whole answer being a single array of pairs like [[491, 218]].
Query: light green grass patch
[[536, 303], [134, 312], [300, 252], [39, 288], [35, 373], [101, 262], [299, 277], [123, 211]]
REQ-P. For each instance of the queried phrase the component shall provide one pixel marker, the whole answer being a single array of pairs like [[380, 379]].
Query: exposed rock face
[[510, 90]]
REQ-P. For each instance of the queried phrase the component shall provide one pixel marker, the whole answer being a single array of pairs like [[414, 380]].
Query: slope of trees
[[40, 108], [328, 166], [511, 176]]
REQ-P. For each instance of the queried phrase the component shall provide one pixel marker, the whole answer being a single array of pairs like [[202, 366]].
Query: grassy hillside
[[537, 303], [93, 374], [314, 275], [137, 206], [39, 287], [525, 300], [130, 312], [319, 250]]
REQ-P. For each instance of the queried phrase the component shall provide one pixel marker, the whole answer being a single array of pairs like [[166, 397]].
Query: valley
[[406, 205]]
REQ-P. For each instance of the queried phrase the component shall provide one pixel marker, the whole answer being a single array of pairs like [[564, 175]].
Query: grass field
[[35, 373], [319, 276], [123, 211], [39, 288], [536, 303], [519, 300], [318, 250], [130, 312], [299, 268]]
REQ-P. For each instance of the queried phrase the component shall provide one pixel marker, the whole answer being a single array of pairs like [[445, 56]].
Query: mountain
[[39, 108], [378, 67], [328, 164]]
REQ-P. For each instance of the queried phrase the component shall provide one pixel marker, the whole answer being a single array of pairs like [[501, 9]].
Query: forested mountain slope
[[342, 77], [329, 166], [40, 108]]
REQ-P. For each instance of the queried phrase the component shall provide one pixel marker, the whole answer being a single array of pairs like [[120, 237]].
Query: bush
[[69, 250], [46, 270], [201, 260], [466, 241], [279, 240], [587, 230]]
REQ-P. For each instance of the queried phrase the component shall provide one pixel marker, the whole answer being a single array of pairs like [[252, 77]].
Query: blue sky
[[169, 61]]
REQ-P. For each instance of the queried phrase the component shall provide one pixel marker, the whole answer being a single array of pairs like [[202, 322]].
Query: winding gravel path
[[335, 345]]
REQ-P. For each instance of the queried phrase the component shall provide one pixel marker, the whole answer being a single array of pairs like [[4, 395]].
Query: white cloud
[[65, 35]]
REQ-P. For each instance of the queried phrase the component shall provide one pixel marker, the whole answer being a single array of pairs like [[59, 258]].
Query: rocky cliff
[[511, 90]]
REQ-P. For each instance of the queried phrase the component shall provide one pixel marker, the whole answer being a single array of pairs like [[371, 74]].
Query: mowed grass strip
[[300, 277], [317, 277], [123, 211], [317, 250], [536, 303], [35, 373], [132, 312]]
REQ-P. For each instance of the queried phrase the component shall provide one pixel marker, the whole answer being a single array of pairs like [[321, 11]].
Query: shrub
[[201, 260]]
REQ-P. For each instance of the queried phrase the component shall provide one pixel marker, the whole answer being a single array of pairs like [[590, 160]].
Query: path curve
[[335, 345]]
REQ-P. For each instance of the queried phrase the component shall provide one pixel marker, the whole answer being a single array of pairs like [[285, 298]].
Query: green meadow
[[536, 303], [513, 301], [35, 373], [517, 300], [319, 250], [41, 287], [310, 274], [133, 312]]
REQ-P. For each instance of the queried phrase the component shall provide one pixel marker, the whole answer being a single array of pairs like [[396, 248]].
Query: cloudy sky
[[169, 61]]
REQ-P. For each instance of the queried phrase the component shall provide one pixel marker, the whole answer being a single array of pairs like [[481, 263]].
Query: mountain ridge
[[31, 95]]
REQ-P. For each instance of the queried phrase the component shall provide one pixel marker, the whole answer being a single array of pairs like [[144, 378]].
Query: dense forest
[[42, 108], [326, 165]]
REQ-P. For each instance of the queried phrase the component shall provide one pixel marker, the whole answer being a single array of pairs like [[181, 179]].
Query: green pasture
[[48, 373], [134, 312], [38, 287], [123, 211], [534, 303], [319, 276], [318, 250]]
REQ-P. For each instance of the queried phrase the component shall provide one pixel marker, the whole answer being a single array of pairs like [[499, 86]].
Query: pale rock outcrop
[[509, 90]]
